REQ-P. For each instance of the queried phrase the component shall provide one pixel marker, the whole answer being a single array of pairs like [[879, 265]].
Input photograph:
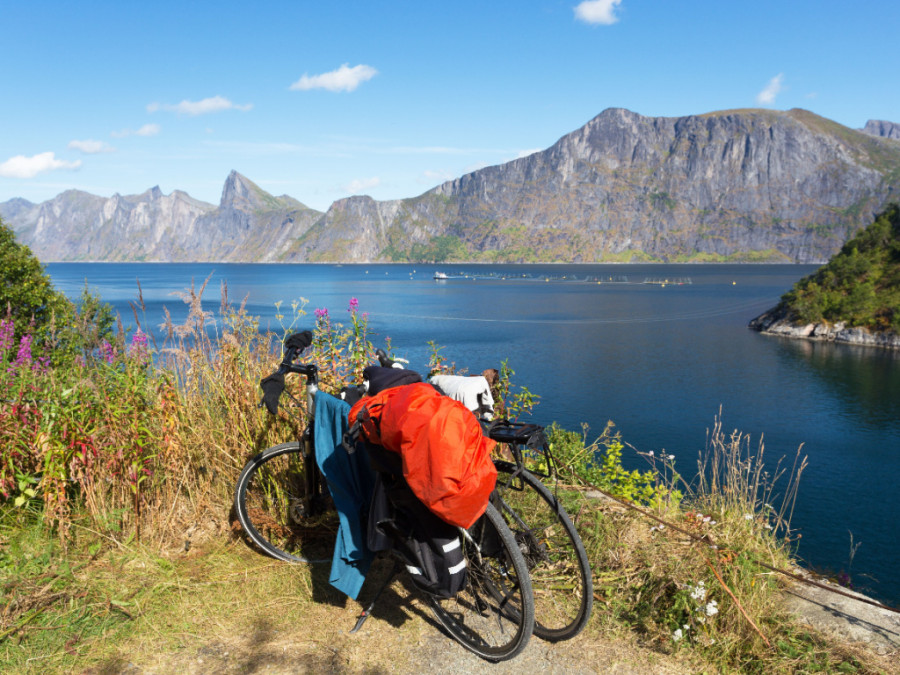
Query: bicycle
[[283, 507], [557, 561], [558, 565]]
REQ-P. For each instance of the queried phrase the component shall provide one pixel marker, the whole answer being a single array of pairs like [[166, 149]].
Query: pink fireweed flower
[[24, 355], [139, 344], [6, 334], [321, 313], [107, 352], [354, 306]]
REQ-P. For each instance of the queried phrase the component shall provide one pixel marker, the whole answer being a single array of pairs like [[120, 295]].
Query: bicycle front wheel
[[275, 511], [493, 616], [557, 562]]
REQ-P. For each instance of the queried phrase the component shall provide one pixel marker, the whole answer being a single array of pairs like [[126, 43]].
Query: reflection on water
[[865, 379]]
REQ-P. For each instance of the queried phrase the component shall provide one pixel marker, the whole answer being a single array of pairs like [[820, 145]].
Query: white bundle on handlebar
[[474, 392]]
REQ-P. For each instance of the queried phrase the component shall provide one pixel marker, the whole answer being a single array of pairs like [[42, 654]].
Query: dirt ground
[[402, 637]]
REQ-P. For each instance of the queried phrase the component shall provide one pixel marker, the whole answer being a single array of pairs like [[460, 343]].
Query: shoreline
[[776, 324]]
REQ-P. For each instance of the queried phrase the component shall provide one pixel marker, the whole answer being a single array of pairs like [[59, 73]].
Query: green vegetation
[[860, 285], [26, 296], [441, 248], [116, 545]]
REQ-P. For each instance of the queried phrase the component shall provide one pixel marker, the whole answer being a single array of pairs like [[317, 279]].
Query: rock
[[734, 185], [882, 128]]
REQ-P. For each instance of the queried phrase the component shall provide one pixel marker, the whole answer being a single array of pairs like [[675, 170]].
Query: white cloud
[[91, 147], [146, 130], [203, 107], [597, 11], [29, 167], [344, 78], [359, 185], [771, 90]]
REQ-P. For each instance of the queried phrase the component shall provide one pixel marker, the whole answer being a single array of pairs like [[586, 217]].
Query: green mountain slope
[[860, 285]]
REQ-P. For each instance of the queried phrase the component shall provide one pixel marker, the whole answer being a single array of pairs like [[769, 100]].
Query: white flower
[[698, 592], [670, 457], [748, 516], [677, 635], [712, 608], [707, 519], [650, 454]]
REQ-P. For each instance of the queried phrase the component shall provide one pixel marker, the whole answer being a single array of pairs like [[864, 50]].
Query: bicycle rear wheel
[[493, 616], [275, 511], [557, 562]]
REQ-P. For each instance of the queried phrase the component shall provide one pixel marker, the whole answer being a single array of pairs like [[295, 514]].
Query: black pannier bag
[[430, 548]]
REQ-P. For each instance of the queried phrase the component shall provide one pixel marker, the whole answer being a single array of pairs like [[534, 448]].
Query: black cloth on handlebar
[[298, 341], [381, 378], [272, 387]]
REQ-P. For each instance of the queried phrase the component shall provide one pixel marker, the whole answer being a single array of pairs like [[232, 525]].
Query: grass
[[123, 553]]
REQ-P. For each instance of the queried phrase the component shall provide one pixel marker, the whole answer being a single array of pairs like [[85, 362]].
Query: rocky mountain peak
[[239, 192], [882, 128]]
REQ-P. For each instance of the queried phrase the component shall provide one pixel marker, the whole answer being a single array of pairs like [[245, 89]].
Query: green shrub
[[860, 285]]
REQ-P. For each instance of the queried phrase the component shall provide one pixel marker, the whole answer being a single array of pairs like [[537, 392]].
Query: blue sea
[[657, 349]]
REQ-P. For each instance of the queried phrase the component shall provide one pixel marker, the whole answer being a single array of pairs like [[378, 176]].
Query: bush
[[860, 285], [27, 298]]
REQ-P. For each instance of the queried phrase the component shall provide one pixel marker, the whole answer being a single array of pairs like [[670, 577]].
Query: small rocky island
[[854, 298]]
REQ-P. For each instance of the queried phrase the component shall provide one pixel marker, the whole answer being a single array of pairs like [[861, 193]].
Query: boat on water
[[440, 276]]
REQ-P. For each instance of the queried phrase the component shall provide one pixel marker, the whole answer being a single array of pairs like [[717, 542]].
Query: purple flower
[[321, 313], [24, 355], [6, 334], [354, 306], [139, 344], [107, 351]]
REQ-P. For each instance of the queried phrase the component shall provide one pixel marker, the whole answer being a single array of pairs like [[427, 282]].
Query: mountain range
[[739, 185]]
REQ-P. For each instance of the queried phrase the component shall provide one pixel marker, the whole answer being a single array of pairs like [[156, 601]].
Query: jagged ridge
[[733, 185]]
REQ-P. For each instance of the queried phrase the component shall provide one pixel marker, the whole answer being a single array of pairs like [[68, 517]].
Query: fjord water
[[658, 359]]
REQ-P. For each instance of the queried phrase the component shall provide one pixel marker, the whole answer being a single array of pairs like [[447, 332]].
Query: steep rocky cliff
[[732, 185], [746, 185], [248, 224], [882, 128]]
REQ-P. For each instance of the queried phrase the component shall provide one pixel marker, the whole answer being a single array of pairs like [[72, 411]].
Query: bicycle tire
[[493, 616], [553, 550], [272, 507]]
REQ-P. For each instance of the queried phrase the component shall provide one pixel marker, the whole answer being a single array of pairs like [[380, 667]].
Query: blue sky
[[321, 100]]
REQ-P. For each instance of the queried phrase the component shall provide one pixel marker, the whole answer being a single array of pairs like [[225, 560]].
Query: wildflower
[[698, 592], [139, 344], [748, 516], [24, 354], [6, 334], [712, 608], [321, 313], [354, 306], [107, 351], [650, 454], [670, 457], [657, 527], [677, 635]]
